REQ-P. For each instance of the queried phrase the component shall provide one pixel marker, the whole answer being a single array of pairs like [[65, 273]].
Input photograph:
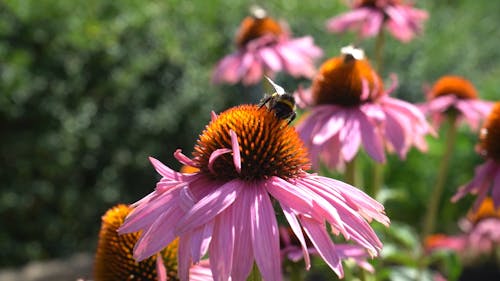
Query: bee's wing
[[271, 87]]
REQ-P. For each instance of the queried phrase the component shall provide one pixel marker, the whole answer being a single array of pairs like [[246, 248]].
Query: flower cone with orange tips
[[350, 108], [265, 47], [114, 261], [456, 95]]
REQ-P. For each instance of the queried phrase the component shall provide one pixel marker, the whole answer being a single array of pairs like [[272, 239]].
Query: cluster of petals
[[486, 181], [455, 94], [268, 55], [235, 223], [334, 133], [479, 235], [292, 250], [370, 16]]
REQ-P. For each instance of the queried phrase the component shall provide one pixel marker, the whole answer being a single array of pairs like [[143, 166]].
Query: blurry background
[[89, 89]]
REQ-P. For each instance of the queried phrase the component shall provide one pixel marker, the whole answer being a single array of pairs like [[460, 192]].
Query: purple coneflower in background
[[455, 95], [369, 17], [480, 233], [350, 108], [249, 162], [486, 179], [265, 47]]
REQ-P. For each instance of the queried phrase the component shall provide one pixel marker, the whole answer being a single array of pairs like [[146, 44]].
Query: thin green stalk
[[254, 274], [432, 208], [350, 172], [378, 169], [378, 178], [379, 51], [296, 272]]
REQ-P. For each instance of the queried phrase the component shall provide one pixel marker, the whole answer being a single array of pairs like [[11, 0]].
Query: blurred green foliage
[[90, 89]]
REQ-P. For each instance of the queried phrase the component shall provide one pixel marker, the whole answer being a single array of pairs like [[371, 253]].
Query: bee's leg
[[292, 117], [264, 101]]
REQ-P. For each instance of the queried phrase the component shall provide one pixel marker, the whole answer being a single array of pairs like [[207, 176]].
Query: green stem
[[379, 51], [378, 178], [254, 274], [378, 169], [350, 172], [432, 208], [296, 272]]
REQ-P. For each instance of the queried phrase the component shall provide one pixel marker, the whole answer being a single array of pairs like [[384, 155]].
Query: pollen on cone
[[114, 260], [268, 146]]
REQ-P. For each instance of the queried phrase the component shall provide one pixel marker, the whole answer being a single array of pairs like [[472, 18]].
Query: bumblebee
[[280, 102]]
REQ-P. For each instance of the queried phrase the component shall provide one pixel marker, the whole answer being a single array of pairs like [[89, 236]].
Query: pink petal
[[371, 138], [480, 174], [495, 191], [164, 170], [221, 246], [350, 137], [372, 24], [243, 251], [347, 20], [227, 69], [271, 59], [200, 240], [160, 268], [323, 243], [157, 236], [183, 159], [329, 128], [236, 151], [214, 156], [208, 207], [184, 257], [265, 237], [297, 230], [288, 194]]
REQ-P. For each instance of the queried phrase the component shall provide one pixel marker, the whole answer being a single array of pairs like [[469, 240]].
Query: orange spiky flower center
[[454, 85], [340, 81], [255, 27], [114, 260], [268, 146], [489, 138], [486, 210]]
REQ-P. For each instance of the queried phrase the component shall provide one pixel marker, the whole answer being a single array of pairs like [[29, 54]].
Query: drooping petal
[[160, 268], [243, 251], [297, 230], [221, 246], [157, 236], [323, 243], [265, 237]]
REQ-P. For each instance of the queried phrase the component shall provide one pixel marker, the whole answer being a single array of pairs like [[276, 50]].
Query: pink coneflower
[[249, 162], [455, 95], [265, 47], [480, 233], [487, 176], [114, 261], [369, 17], [350, 108]]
